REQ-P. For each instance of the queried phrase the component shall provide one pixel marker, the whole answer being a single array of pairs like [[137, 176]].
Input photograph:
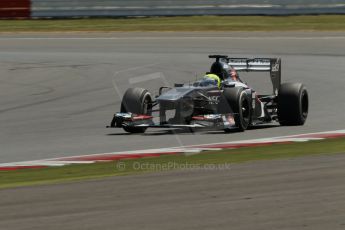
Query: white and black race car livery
[[227, 105]]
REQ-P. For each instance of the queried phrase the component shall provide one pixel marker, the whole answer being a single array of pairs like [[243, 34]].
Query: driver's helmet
[[210, 79]]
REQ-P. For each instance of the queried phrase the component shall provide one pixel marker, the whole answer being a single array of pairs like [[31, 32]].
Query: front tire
[[293, 104], [240, 104], [137, 101]]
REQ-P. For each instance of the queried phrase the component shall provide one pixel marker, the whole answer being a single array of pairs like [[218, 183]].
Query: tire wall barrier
[[133, 8]]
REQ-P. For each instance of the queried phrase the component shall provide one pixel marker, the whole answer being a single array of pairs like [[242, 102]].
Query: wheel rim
[[245, 111], [304, 104], [147, 108]]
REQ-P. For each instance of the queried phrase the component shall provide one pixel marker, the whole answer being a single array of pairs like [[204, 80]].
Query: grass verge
[[194, 23], [164, 163]]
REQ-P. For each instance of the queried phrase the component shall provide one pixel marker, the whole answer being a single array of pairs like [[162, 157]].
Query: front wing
[[210, 121]]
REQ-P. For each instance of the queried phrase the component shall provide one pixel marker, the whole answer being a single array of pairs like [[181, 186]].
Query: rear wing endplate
[[271, 65]]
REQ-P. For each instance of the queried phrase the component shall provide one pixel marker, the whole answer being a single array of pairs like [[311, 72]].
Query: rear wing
[[271, 65]]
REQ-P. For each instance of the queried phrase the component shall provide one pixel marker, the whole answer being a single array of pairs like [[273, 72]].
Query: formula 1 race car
[[221, 101]]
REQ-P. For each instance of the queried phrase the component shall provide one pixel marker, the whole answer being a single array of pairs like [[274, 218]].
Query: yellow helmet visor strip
[[214, 77]]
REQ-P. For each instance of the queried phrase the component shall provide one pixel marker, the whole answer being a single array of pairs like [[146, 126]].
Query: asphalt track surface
[[59, 91], [300, 193]]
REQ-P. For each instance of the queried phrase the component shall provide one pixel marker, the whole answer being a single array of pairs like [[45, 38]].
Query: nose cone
[[175, 94]]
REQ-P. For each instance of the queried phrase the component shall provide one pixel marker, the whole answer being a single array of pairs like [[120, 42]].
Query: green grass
[[195, 23], [216, 158]]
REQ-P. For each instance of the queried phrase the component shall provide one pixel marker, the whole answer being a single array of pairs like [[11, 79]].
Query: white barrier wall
[[123, 8]]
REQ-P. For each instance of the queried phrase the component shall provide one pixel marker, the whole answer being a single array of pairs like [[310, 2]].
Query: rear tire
[[240, 104], [137, 101], [293, 104]]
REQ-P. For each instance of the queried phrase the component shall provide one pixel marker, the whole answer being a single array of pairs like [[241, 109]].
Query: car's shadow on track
[[265, 126], [156, 132], [123, 134], [162, 132]]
